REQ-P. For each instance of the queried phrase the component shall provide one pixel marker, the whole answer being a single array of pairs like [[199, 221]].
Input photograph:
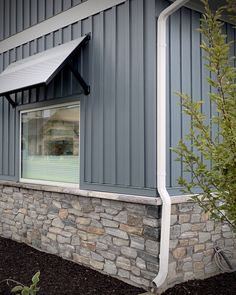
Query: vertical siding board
[[13, 17], [6, 18], [109, 68], [137, 94], [33, 12], [19, 16], [175, 85], [113, 41], [122, 115], [57, 6], [49, 8], [86, 104], [26, 13], [196, 57], [1, 20], [96, 103], [66, 4], [101, 99], [150, 93], [186, 55], [75, 2], [41, 10]]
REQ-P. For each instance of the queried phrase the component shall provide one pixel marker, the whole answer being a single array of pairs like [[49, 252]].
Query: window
[[50, 144]]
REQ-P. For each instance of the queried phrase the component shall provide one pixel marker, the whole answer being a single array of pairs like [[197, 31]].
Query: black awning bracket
[[79, 78], [10, 100]]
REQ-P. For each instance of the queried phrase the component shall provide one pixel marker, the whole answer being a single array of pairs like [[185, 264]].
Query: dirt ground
[[61, 277]]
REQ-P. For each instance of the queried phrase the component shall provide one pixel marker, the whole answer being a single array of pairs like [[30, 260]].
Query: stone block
[[189, 235], [197, 256], [56, 204], [152, 247], [109, 223], [57, 222], [185, 207], [140, 263], [97, 257], [117, 233], [108, 255], [131, 229], [198, 266], [129, 252], [89, 245], [199, 248], [122, 217], [123, 263], [95, 230], [173, 219], [135, 270], [187, 267], [198, 226], [175, 232], [153, 211], [63, 213], [137, 242], [179, 253], [123, 273], [195, 218], [75, 241], [111, 211], [96, 264], [184, 218], [63, 240], [110, 267], [151, 233], [186, 227], [120, 242], [140, 281], [134, 220], [204, 236], [148, 257], [153, 222]]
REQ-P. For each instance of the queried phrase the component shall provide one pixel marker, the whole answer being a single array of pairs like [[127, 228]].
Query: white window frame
[[45, 182]]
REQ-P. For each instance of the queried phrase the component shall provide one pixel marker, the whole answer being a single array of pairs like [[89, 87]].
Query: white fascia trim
[[63, 19]]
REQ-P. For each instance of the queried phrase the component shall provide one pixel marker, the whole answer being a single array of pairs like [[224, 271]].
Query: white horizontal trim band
[[70, 16], [95, 194]]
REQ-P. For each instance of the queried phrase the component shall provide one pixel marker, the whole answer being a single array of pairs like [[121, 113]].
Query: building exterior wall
[[117, 129], [117, 238]]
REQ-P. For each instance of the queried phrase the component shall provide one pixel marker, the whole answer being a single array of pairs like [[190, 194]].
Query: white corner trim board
[[63, 19]]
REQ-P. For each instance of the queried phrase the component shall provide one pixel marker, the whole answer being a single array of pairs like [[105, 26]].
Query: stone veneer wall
[[117, 238]]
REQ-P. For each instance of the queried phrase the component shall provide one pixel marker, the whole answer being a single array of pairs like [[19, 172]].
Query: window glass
[[50, 144]]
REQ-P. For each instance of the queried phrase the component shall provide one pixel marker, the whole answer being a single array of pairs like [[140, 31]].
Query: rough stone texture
[[118, 238]]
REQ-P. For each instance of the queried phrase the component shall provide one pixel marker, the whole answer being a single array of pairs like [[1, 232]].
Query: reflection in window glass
[[50, 144]]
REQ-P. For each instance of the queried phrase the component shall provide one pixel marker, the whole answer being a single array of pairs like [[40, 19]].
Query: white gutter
[[161, 140]]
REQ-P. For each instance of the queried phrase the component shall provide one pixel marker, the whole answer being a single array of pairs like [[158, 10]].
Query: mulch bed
[[223, 284], [58, 276], [61, 277]]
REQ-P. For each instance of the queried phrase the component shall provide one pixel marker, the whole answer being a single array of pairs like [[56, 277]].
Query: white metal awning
[[40, 69]]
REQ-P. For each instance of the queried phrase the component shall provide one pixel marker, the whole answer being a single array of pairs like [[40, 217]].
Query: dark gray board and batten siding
[[186, 73], [118, 118]]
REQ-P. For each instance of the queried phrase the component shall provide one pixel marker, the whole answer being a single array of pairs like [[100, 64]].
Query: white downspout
[[161, 140]]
